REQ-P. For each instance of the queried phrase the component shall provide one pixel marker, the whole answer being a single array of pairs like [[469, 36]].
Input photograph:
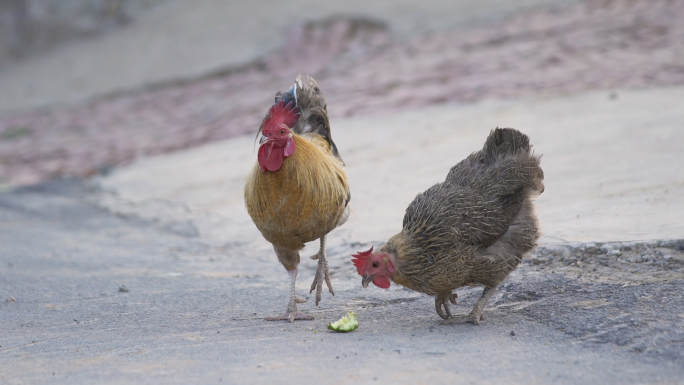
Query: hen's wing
[[480, 197]]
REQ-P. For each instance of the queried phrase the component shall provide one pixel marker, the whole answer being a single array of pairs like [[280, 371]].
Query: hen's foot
[[475, 315], [322, 274], [470, 318], [442, 301], [291, 316]]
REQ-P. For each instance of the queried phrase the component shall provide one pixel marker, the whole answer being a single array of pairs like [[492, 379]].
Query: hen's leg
[[442, 301], [322, 273], [475, 315], [292, 314]]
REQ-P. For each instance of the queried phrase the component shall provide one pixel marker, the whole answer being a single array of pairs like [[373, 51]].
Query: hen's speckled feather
[[473, 228]]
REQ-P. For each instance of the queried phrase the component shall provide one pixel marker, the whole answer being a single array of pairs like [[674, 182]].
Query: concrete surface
[[185, 39], [598, 302], [193, 313], [174, 232], [613, 168], [593, 45], [200, 278]]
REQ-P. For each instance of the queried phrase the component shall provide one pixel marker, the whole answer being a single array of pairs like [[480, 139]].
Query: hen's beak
[[367, 279]]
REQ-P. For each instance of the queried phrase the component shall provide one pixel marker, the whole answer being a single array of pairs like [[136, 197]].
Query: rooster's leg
[[322, 273], [475, 315], [442, 301], [292, 314]]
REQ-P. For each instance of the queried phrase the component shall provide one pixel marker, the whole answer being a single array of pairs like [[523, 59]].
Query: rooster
[[298, 192], [472, 229]]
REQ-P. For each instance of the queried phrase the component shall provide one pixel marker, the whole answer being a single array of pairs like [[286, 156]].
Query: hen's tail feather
[[508, 251], [506, 167], [505, 142]]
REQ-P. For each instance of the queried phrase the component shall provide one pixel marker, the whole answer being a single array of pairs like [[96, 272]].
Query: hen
[[298, 192], [472, 229]]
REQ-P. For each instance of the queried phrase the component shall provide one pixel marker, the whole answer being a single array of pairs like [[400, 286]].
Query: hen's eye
[[376, 264]]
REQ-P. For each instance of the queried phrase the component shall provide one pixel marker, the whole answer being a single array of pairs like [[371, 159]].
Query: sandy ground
[[181, 39], [594, 45], [612, 165], [192, 312], [599, 302]]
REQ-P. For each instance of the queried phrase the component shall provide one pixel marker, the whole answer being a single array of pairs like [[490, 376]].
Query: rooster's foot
[[442, 301], [322, 274], [291, 316]]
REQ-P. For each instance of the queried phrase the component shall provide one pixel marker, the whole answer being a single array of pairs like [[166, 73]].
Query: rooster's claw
[[322, 274]]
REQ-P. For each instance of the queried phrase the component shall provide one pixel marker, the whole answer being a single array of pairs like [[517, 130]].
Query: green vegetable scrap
[[345, 324]]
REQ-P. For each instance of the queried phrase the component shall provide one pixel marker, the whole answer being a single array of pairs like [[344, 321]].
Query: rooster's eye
[[376, 264], [282, 132]]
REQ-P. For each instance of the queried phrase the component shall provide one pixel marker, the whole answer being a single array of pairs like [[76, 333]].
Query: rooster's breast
[[302, 201]]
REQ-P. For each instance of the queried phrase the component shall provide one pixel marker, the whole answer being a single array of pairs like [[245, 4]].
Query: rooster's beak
[[367, 279], [263, 139]]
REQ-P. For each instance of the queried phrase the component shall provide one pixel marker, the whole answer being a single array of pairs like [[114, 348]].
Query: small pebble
[[123, 289], [11, 299], [667, 257], [513, 333]]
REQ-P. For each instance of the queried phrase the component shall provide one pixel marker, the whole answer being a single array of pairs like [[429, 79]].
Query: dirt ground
[[193, 313], [591, 45], [151, 271]]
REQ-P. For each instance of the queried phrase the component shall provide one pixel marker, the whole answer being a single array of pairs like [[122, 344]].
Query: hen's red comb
[[360, 260], [282, 113]]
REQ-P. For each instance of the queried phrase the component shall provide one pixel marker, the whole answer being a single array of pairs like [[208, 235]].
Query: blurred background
[[89, 85]]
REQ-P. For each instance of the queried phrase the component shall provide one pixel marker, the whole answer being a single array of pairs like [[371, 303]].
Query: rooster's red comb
[[360, 260], [282, 113]]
